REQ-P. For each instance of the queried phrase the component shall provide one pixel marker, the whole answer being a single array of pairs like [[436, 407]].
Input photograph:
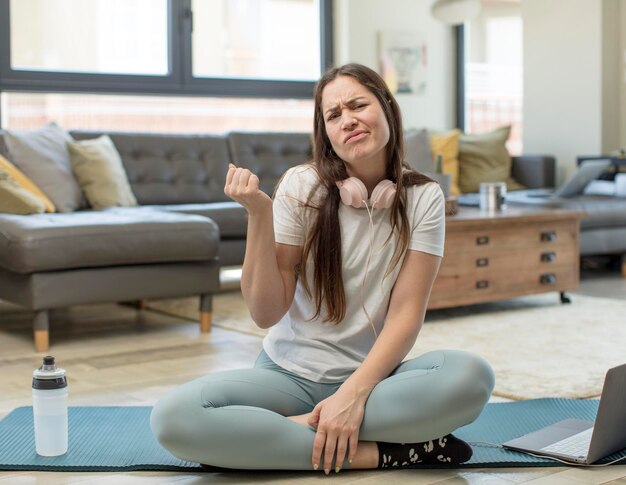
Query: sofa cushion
[[15, 199], [42, 155], [100, 173], [485, 158], [4, 150], [603, 211], [447, 145], [231, 217], [269, 155], [418, 152], [24, 182], [113, 237], [171, 169]]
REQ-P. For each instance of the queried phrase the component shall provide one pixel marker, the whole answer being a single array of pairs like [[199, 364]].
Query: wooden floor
[[120, 356]]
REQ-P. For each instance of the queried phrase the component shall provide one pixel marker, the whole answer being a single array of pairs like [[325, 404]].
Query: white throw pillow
[[43, 156], [98, 167]]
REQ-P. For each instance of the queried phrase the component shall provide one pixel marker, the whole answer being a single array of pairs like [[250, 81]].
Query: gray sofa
[[174, 243], [171, 246], [602, 230]]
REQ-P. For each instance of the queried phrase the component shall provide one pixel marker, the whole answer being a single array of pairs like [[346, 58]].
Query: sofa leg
[[624, 265], [137, 304], [41, 328], [206, 313], [205, 322]]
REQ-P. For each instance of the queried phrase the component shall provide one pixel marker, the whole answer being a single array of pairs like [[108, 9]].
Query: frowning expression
[[355, 122]]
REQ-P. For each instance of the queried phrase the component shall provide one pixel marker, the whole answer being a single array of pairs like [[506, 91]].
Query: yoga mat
[[119, 438]]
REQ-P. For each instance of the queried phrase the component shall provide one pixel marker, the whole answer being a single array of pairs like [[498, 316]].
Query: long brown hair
[[323, 242]]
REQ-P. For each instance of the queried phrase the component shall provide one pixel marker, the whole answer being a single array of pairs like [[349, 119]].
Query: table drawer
[[489, 260], [518, 252], [545, 234], [465, 289]]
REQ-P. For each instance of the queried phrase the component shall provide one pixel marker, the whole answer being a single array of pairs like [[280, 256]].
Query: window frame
[[179, 81], [459, 32]]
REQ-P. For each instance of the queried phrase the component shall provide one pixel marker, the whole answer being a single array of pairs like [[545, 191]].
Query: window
[[157, 114], [491, 94], [240, 48], [94, 36], [263, 39]]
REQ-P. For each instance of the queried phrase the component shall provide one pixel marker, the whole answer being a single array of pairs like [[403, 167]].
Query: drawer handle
[[482, 284], [547, 279], [548, 236], [480, 262], [482, 240], [548, 257]]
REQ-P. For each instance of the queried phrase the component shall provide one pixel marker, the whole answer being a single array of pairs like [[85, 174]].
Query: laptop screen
[[586, 172]]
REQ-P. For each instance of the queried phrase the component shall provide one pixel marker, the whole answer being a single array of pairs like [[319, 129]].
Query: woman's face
[[355, 122]]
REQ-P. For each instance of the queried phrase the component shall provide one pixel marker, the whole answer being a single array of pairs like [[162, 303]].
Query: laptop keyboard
[[575, 445]]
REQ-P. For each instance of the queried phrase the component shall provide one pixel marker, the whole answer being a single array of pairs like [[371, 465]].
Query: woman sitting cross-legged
[[339, 267]]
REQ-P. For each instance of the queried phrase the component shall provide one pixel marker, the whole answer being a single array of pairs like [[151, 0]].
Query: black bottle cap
[[49, 376]]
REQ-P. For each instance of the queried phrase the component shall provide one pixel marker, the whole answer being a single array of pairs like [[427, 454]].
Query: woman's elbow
[[264, 324], [266, 321]]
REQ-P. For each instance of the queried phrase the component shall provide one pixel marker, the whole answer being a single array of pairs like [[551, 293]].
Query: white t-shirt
[[324, 352]]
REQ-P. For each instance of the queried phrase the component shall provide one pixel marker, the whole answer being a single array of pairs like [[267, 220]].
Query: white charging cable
[[496, 445]]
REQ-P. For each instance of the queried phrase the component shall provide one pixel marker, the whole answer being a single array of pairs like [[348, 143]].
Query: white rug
[[537, 346]]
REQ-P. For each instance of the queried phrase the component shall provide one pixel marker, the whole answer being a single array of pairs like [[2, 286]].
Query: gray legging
[[236, 419]]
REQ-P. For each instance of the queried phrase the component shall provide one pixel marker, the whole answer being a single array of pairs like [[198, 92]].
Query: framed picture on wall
[[403, 59]]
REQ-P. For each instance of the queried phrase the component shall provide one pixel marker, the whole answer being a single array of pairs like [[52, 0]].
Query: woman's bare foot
[[301, 419], [367, 451]]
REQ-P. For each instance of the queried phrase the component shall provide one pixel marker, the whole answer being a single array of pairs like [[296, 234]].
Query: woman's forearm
[[262, 284], [393, 344]]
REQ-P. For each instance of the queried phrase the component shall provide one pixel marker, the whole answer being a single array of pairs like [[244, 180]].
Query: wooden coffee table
[[519, 251]]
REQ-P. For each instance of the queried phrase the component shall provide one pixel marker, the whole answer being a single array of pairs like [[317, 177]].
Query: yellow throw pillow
[[447, 145], [27, 184], [15, 199], [484, 158], [100, 173]]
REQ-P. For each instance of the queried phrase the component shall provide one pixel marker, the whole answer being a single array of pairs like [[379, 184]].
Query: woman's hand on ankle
[[338, 420]]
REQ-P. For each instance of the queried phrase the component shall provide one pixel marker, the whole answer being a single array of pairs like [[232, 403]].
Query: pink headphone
[[354, 193]]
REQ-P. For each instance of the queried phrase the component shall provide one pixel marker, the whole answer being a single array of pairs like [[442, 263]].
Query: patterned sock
[[446, 450]]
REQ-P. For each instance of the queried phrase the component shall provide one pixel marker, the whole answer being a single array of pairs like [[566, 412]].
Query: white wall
[[611, 70], [573, 78], [478, 27], [562, 79], [357, 23]]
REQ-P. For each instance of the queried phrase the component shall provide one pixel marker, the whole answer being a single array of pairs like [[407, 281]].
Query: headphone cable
[[367, 265]]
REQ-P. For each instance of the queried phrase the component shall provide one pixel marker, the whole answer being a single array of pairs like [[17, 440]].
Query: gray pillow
[[417, 151], [43, 156]]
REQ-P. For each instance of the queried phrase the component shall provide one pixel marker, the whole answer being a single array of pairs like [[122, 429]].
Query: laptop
[[575, 185], [579, 441]]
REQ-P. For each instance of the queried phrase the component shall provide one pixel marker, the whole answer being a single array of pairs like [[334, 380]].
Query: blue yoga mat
[[119, 438]]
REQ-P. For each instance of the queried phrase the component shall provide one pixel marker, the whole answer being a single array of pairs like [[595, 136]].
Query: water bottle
[[50, 408]]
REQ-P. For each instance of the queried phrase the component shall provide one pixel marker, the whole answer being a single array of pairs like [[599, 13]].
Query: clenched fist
[[243, 186]]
